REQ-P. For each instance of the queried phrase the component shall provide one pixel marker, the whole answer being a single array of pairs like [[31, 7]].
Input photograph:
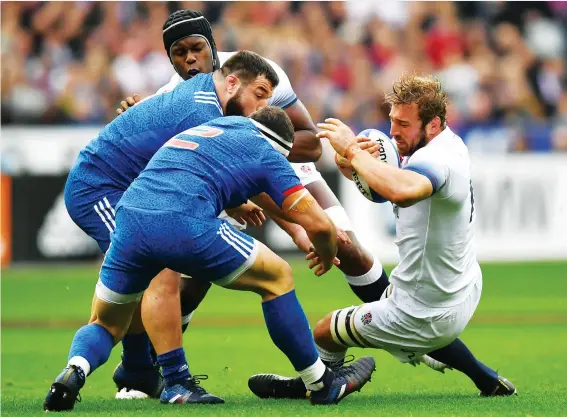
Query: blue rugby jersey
[[206, 169], [125, 145]]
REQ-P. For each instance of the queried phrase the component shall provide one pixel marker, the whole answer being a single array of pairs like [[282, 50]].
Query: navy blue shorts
[[92, 209], [147, 241]]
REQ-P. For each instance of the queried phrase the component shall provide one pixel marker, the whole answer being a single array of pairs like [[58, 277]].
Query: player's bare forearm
[[290, 228], [301, 208], [276, 214], [401, 187], [306, 146], [324, 238]]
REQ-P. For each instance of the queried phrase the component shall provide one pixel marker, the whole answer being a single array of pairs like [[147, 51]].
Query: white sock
[[187, 319], [329, 356], [81, 363], [371, 276], [312, 374]]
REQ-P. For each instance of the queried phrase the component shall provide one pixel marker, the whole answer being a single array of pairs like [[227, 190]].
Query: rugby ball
[[388, 153]]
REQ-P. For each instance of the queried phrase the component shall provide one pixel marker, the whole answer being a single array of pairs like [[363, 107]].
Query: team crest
[[367, 318], [306, 169]]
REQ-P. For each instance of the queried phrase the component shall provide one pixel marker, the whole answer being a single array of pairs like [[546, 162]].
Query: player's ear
[[433, 127], [232, 84]]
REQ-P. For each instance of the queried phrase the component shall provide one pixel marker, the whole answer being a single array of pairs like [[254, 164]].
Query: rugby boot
[[344, 381], [64, 392], [276, 386], [502, 388], [189, 392]]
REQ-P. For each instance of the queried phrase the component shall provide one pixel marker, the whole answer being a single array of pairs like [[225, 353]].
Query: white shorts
[[307, 172], [387, 324]]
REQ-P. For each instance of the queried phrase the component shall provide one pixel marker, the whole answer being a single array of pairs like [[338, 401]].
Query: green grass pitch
[[520, 328]]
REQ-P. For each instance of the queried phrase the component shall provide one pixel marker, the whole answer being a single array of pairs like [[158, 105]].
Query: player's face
[[249, 98], [191, 56], [406, 128]]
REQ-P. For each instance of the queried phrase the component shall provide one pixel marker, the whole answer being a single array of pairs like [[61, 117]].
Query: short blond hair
[[425, 91]]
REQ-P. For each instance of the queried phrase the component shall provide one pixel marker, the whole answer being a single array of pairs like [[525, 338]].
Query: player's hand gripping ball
[[387, 152]]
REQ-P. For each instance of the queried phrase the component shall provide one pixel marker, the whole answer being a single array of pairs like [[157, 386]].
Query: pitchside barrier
[[520, 202]]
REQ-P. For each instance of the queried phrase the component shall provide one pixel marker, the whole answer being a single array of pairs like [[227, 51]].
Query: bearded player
[[437, 285]]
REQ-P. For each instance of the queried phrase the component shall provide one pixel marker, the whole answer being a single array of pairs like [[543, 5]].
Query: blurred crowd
[[503, 63]]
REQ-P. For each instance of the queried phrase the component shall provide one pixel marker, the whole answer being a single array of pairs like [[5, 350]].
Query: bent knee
[[284, 282], [322, 330], [167, 282]]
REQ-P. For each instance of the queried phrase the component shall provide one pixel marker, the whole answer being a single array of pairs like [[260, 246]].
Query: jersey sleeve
[[279, 179], [283, 95], [433, 167]]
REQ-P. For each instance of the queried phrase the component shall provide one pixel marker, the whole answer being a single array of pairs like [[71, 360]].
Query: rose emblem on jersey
[[367, 318], [306, 169]]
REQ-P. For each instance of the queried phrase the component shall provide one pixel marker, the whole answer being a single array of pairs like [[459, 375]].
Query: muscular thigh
[[383, 325]]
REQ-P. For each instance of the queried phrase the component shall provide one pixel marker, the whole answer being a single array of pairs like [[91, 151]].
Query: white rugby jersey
[[435, 236], [283, 95]]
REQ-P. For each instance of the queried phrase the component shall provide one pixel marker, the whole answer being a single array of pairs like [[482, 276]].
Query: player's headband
[[280, 144], [195, 26]]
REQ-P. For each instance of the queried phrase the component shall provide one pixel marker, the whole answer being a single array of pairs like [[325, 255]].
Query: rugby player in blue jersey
[[168, 219], [108, 164]]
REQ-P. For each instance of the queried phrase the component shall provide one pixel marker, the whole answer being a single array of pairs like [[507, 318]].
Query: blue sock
[[94, 343], [174, 366], [289, 330], [459, 357], [136, 351]]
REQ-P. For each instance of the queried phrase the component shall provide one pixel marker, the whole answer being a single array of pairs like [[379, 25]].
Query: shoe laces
[[195, 383], [340, 364]]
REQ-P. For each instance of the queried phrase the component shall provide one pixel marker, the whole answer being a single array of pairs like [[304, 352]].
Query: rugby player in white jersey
[[436, 287], [190, 45]]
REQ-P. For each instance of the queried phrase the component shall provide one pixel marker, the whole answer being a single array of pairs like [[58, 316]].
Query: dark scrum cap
[[184, 23]]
